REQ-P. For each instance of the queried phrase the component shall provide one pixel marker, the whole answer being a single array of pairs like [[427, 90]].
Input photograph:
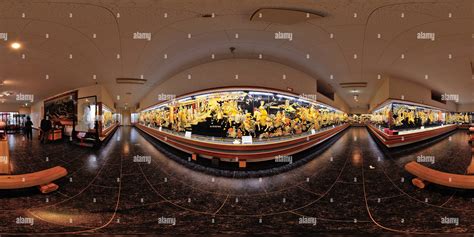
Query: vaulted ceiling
[[354, 41]]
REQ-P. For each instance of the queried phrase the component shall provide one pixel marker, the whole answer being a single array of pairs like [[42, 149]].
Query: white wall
[[126, 117], [382, 94], [466, 108], [9, 107], [395, 88], [416, 93]]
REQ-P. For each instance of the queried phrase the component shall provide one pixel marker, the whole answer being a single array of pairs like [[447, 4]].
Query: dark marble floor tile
[[352, 187]]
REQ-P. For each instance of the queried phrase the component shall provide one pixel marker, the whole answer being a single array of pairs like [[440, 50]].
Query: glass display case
[[134, 118], [382, 116], [409, 116], [117, 118], [107, 118], [235, 113], [14, 121], [359, 119], [87, 112], [458, 118]]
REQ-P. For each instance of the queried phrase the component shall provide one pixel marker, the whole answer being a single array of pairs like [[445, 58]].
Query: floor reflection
[[353, 187]]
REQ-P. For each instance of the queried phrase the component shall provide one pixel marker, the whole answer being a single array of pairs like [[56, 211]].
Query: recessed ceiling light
[[15, 45]]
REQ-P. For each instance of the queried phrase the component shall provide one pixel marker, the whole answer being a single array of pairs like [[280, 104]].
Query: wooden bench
[[43, 179], [424, 174], [4, 157], [470, 168]]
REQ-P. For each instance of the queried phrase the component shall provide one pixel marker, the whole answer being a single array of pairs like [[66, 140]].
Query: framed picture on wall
[[62, 108]]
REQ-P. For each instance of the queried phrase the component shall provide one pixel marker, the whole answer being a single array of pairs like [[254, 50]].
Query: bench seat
[[424, 173], [41, 178]]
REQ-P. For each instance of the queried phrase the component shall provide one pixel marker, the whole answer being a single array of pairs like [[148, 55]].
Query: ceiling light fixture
[[15, 45]]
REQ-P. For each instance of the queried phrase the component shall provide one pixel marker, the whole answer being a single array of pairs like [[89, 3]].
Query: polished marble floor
[[353, 187]]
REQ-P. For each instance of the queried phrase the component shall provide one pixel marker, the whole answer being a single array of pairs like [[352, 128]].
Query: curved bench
[[424, 173], [43, 179], [4, 157], [470, 168]]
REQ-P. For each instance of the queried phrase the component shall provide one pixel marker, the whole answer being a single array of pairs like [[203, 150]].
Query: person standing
[[45, 129], [29, 128]]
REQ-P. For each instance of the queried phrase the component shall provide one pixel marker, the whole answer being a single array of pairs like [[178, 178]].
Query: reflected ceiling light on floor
[[15, 45]]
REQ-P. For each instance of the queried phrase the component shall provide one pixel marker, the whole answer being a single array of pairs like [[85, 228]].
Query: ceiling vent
[[353, 84], [284, 16], [135, 81], [208, 15]]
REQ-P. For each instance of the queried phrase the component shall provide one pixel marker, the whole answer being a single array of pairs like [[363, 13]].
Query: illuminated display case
[[458, 118], [107, 118], [86, 114], [359, 119], [382, 115], [117, 118], [134, 118], [397, 123], [408, 116], [235, 113]]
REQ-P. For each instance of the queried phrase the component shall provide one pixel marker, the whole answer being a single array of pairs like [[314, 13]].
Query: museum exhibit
[[237, 118]]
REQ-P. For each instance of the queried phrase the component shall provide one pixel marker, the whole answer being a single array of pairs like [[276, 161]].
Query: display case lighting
[[185, 99], [260, 93], [104, 107], [303, 100], [201, 96], [286, 97]]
